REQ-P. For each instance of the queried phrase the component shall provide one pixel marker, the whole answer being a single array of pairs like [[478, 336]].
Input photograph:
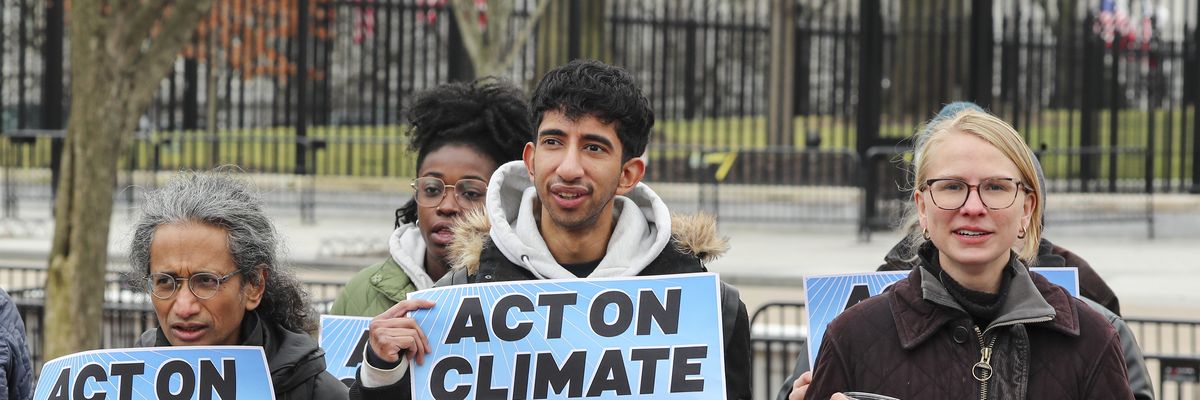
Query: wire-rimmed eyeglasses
[[202, 284], [429, 191]]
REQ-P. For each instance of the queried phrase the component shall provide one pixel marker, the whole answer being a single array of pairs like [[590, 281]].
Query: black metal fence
[[818, 186], [1172, 349], [127, 310], [778, 336], [1110, 88], [1121, 193], [778, 341]]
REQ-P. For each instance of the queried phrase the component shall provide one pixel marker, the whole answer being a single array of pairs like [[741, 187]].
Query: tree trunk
[[75, 283], [586, 39], [113, 76], [780, 111]]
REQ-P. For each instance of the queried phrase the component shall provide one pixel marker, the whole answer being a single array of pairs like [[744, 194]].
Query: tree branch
[[154, 62], [98, 26], [137, 29], [472, 37], [124, 7], [519, 41], [499, 16]]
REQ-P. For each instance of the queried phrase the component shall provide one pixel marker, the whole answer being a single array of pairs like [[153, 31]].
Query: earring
[[925, 233], [1022, 234]]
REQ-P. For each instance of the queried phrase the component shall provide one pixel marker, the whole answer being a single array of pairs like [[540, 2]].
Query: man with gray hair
[[207, 254]]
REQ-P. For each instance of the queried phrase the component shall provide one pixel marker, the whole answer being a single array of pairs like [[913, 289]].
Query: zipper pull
[[983, 369]]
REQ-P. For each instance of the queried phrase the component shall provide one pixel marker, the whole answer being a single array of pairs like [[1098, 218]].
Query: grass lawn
[[383, 150]]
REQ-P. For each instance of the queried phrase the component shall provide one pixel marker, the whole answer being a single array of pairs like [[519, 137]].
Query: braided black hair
[[490, 115]]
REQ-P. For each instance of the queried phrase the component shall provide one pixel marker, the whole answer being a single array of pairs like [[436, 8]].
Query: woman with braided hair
[[461, 133]]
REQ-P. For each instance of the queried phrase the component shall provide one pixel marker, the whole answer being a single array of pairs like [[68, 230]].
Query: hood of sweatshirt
[[407, 248], [642, 227]]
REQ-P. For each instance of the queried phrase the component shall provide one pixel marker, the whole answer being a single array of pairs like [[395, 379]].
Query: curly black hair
[[606, 92], [490, 115]]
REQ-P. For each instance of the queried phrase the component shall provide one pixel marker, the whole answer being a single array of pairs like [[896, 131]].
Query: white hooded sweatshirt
[[407, 247], [641, 232]]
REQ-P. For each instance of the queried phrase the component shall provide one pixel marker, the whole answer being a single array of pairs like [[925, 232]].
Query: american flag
[[1115, 26]]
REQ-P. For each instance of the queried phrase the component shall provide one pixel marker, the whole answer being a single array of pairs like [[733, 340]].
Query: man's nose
[[186, 303], [570, 168]]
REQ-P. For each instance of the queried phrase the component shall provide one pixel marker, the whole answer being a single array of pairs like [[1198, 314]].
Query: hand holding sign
[[800, 386], [393, 332]]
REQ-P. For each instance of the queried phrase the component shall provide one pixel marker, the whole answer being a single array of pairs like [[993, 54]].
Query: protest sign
[[171, 373], [619, 338], [344, 339], [1067, 277], [826, 296]]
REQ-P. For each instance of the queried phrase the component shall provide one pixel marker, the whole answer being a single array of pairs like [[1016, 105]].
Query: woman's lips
[[441, 234], [972, 235]]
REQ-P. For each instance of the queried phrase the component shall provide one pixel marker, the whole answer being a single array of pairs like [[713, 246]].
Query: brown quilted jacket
[[915, 342]]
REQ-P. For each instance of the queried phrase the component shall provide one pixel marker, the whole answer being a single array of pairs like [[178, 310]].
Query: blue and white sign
[[210, 372], [620, 338], [826, 296], [344, 339], [1067, 277]]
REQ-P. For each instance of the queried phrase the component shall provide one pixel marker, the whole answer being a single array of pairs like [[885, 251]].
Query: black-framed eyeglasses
[[994, 193], [429, 191], [202, 284]]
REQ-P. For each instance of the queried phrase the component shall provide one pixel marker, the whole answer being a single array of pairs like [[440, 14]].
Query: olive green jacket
[[373, 290], [376, 288]]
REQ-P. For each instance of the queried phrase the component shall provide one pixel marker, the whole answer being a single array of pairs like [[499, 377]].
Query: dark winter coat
[[16, 371], [1096, 292], [297, 365], [1091, 285], [915, 342]]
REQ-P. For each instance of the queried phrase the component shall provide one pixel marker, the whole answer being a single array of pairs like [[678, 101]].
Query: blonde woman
[[971, 322]]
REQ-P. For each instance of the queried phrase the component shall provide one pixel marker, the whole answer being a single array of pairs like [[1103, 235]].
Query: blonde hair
[[1000, 135]]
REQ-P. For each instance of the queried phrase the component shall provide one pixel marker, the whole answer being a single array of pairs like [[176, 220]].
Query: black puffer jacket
[[16, 373], [297, 365]]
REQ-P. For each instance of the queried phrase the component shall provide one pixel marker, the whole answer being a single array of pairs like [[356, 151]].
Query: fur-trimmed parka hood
[[644, 227]]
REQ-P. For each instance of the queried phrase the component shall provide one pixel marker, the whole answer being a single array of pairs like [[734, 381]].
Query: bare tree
[[485, 33], [120, 51]]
